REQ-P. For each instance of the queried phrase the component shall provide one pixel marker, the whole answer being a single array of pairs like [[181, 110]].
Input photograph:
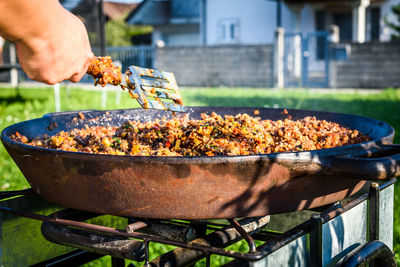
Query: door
[[292, 59], [306, 59], [315, 49]]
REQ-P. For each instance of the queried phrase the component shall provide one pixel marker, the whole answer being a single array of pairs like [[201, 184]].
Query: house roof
[[115, 9], [162, 12], [325, 1], [111, 9], [314, 1], [69, 4], [150, 12]]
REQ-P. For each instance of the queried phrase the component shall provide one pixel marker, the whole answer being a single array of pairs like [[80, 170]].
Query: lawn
[[32, 103]]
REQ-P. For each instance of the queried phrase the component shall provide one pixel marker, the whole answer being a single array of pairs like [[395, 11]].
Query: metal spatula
[[154, 88]]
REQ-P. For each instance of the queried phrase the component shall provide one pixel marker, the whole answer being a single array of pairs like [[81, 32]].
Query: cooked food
[[209, 136], [104, 71]]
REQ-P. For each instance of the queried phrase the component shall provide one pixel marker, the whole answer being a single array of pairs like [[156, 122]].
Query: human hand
[[60, 52]]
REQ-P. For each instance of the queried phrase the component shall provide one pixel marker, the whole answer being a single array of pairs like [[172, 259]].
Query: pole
[[57, 102], [279, 54], [278, 13], [13, 71], [101, 29]]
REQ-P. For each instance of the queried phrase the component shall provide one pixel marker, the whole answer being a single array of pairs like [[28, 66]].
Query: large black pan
[[200, 187]]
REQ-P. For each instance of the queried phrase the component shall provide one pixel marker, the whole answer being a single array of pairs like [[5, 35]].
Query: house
[[114, 10], [281, 43], [217, 22], [175, 22], [87, 10]]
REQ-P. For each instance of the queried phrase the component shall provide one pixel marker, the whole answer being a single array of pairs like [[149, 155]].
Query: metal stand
[[192, 242], [372, 253]]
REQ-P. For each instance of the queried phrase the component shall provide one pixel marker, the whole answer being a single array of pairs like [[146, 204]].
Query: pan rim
[[299, 155]]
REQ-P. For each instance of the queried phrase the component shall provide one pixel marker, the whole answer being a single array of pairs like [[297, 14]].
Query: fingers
[[91, 55], [76, 77], [64, 53]]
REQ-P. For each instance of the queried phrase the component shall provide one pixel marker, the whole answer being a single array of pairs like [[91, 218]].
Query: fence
[[368, 65], [228, 65], [142, 56]]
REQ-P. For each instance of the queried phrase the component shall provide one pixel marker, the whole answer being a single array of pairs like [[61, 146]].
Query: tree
[[120, 33], [395, 26]]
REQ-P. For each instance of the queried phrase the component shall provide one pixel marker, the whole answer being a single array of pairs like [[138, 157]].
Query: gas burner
[[347, 233]]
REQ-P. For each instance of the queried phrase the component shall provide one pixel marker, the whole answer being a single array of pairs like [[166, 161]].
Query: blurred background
[[338, 56], [262, 43]]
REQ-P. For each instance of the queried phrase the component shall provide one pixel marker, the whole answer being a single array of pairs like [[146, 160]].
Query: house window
[[344, 21], [228, 30], [375, 15], [320, 16]]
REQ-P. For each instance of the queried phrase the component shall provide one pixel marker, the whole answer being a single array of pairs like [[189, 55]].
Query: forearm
[[22, 20], [52, 44]]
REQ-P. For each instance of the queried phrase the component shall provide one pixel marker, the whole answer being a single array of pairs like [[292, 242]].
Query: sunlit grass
[[33, 103]]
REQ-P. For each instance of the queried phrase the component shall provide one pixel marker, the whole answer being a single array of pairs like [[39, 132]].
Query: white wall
[[177, 35], [288, 20], [182, 39], [257, 20], [306, 21]]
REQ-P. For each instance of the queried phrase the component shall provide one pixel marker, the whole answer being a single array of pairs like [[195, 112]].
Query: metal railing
[[142, 56]]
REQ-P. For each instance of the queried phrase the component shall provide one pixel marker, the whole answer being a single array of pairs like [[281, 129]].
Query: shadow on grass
[[334, 105], [13, 99], [7, 100]]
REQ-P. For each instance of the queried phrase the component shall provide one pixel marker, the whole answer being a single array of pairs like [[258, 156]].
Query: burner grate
[[196, 240]]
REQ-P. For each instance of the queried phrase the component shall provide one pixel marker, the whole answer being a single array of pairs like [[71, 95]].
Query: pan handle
[[382, 164]]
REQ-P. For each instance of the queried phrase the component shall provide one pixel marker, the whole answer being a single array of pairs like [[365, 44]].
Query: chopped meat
[[211, 135], [104, 71]]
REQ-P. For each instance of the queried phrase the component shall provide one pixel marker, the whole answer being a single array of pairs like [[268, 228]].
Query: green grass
[[33, 103]]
